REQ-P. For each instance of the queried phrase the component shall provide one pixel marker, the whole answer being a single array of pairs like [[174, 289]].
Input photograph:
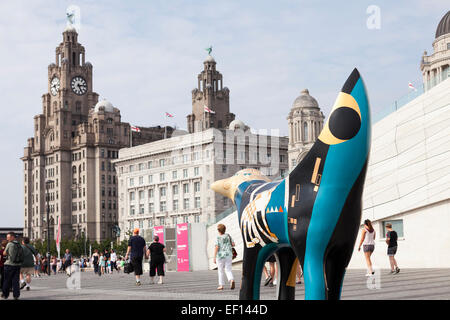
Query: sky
[[147, 55]]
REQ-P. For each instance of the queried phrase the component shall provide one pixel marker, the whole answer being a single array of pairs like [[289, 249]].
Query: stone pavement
[[201, 285]]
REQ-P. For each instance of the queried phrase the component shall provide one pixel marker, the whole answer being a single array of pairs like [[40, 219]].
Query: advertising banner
[[159, 231], [182, 247]]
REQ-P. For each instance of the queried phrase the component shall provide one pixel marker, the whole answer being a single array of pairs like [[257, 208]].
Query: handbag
[[233, 250], [128, 267]]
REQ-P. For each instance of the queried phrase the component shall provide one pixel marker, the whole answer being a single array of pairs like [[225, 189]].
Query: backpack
[[18, 257]]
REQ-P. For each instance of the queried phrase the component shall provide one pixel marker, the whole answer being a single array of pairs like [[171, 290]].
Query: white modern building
[[168, 181]]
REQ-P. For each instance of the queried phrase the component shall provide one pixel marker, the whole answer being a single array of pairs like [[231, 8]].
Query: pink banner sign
[[182, 247], [159, 231]]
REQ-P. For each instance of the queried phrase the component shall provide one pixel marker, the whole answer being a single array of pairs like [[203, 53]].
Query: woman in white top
[[368, 242]]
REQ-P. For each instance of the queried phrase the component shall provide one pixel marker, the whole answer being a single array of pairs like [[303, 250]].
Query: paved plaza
[[201, 285]]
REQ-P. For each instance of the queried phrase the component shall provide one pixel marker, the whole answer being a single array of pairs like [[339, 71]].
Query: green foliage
[[80, 247]]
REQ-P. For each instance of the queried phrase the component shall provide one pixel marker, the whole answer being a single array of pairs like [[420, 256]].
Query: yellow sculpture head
[[228, 187]]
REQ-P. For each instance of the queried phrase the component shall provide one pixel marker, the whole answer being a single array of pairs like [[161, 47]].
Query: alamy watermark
[[374, 20]]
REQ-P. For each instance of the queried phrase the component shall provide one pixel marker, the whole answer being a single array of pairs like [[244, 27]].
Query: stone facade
[[168, 182], [435, 67], [305, 121], [68, 161], [210, 93]]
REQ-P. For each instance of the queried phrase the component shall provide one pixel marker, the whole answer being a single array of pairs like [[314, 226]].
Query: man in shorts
[[391, 240], [67, 262], [137, 248], [27, 268]]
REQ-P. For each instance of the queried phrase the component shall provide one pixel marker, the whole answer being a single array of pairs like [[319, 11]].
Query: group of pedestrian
[[106, 262], [137, 250], [17, 265], [367, 241]]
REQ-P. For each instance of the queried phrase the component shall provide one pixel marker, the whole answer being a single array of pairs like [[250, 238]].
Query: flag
[[58, 237], [209, 110], [169, 115], [135, 129], [410, 85]]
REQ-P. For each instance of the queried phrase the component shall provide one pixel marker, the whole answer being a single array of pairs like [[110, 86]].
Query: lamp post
[[48, 183]]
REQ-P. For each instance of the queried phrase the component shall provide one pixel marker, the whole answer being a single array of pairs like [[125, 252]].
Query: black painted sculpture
[[312, 216]]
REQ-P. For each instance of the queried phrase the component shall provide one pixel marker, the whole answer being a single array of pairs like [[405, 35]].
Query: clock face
[[54, 86], [78, 85]]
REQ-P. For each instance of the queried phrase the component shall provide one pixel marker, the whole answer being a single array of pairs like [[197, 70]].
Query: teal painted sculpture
[[312, 217]]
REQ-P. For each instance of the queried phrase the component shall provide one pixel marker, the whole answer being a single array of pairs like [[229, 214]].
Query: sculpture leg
[[335, 264], [249, 269], [287, 273]]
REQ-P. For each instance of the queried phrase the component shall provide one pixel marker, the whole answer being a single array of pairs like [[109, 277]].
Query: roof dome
[[105, 104], [443, 26], [209, 58], [305, 101], [237, 124]]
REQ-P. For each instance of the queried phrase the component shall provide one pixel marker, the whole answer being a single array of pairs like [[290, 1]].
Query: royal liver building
[[69, 156]]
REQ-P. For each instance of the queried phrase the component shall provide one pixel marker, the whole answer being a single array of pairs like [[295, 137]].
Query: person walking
[[95, 261], [2, 263], [368, 242], [157, 260], [54, 263], [113, 261], [391, 240], [67, 262], [14, 259], [136, 250], [37, 266], [270, 280], [102, 264], [27, 268], [223, 257]]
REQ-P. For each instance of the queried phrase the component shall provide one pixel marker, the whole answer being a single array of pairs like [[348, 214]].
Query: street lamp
[[48, 184]]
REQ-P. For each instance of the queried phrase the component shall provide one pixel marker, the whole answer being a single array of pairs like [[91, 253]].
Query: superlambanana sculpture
[[313, 215]]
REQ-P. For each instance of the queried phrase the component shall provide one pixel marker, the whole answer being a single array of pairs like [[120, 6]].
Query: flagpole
[[131, 137]]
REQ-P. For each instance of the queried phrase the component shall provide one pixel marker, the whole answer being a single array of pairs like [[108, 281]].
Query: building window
[[305, 131], [186, 204], [397, 226], [174, 174], [141, 166], [175, 189], [162, 221], [131, 182], [196, 171], [132, 210], [162, 162], [185, 173], [196, 186], [141, 224], [175, 205], [141, 180], [197, 218], [141, 195], [150, 178], [162, 206], [185, 158], [131, 168], [150, 222], [224, 169], [162, 177], [149, 164], [151, 207], [174, 220], [131, 196], [185, 188], [197, 202], [141, 209], [162, 191], [151, 193]]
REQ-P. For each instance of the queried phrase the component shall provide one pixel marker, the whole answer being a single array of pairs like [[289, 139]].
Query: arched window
[[305, 131], [74, 169]]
